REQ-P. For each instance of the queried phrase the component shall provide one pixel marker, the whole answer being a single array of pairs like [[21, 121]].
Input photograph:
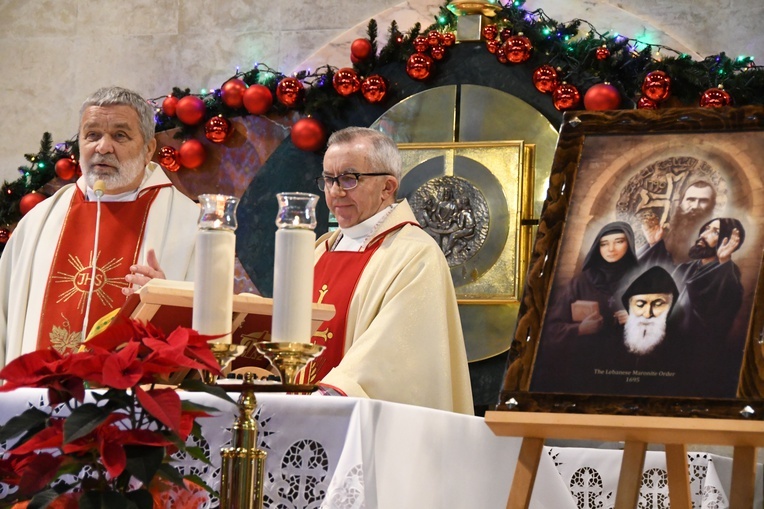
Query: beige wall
[[54, 52]]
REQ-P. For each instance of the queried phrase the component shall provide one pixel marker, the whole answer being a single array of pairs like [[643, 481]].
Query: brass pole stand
[[243, 464]]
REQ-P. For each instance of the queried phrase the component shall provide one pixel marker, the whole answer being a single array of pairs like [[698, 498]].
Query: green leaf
[[198, 454], [140, 499], [42, 499], [143, 461], [103, 500], [172, 474], [82, 421], [31, 418], [199, 386], [198, 480]]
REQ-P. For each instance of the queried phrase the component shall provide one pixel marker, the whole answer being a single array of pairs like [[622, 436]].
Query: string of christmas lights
[[580, 69]]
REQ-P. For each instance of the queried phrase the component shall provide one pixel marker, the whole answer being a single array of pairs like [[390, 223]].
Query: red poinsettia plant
[[111, 446]]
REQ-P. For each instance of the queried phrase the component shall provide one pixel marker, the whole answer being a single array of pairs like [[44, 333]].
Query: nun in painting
[[586, 315]]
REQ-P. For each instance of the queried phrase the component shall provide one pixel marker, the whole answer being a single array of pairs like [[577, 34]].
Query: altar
[[343, 453]]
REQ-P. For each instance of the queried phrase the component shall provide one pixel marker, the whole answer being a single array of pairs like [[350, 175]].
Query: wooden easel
[[636, 431]]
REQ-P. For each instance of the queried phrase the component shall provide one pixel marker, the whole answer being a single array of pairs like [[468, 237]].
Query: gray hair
[[118, 96], [383, 157]]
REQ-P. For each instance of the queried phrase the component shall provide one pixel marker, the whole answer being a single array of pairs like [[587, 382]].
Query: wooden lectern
[[168, 304]]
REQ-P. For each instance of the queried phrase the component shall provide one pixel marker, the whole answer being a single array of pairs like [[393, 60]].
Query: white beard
[[128, 172], [642, 335]]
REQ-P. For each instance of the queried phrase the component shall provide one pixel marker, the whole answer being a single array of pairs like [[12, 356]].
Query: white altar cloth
[[347, 453]]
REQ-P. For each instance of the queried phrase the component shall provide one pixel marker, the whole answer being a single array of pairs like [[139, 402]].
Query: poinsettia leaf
[[198, 454], [103, 500], [113, 457], [191, 407], [163, 405], [171, 473], [42, 499], [198, 480], [141, 499], [47, 438], [32, 418], [83, 420], [199, 386], [143, 461], [39, 472]]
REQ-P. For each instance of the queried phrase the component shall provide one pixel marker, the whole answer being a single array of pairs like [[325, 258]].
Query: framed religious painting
[[641, 295]]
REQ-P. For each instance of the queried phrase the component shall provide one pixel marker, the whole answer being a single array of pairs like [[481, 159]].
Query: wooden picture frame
[[671, 176]]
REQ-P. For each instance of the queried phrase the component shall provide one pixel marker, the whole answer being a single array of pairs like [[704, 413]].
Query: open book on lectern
[[169, 304]]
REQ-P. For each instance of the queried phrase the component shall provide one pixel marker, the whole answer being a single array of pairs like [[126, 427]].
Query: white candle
[[292, 285], [213, 283]]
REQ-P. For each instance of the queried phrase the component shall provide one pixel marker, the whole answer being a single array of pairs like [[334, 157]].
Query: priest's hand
[[142, 274]]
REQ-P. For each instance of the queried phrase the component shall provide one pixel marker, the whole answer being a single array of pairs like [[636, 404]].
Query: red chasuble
[[120, 236], [335, 277]]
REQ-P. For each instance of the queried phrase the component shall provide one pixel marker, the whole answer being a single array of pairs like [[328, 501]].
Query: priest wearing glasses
[[396, 334]]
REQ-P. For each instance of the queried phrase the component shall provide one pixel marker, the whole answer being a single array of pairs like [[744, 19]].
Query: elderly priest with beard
[[649, 301], [650, 358], [54, 282]]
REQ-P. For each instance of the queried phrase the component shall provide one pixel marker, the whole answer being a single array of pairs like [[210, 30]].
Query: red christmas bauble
[[490, 32], [419, 66], [602, 96], [602, 53], [354, 60], [546, 79], [566, 97], [66, 168], [190, 110], [715, 98], [361, 49], [449, 39], [308, 134], [433, 38], [656, 86], [29, 201], [5, 235], [232, 92], [646, 104], [493, 46], [505, 33], [217, 129], [169, 158], [420, 44], [346, 82], [437, 52], [290, 92], [192, 154], [169, 104], [374, 88], [518, 48], [258, 99], [501, 55]]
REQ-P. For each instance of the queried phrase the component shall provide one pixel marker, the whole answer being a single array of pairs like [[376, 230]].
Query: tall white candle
[[292, 285], [213, 283]]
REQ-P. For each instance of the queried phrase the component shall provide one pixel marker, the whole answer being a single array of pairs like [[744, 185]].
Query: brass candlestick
[[289, 358], [224, 353], [243, 464]]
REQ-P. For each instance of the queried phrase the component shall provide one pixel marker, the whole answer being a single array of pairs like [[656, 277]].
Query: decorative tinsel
[[582, 56]]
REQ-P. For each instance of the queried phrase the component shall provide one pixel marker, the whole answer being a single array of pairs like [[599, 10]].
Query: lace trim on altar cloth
[[588, 489]]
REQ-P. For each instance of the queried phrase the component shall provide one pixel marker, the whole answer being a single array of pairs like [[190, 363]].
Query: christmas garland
[[581, 67]]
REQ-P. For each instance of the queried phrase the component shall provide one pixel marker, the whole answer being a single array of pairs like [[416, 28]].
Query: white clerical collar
[[127, 196], [355, 237]]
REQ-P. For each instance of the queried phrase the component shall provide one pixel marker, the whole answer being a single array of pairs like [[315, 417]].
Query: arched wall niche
[[471, 99]]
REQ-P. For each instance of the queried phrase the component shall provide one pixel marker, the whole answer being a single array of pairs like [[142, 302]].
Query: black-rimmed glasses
[[346, 180]]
